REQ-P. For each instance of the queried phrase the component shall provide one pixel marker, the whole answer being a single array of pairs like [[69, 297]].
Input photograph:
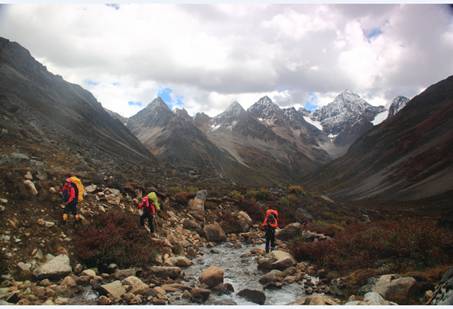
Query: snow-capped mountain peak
[[264, 108], [234, 109], [230, 116], [344, 119], [392, 108], [397, 104]]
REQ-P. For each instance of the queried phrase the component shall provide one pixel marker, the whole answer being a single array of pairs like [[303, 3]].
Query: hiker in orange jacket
[[269, 225]]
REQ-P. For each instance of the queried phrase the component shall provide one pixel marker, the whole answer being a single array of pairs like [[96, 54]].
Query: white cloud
[[214, 54]]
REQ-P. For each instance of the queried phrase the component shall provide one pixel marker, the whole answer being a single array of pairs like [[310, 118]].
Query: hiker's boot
[[65, 219]]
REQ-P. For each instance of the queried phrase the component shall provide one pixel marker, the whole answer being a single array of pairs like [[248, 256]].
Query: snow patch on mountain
[[215, 127], [380, 118], [315, 123]]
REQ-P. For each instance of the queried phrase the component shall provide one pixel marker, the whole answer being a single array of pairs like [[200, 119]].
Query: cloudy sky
[[202, 57]]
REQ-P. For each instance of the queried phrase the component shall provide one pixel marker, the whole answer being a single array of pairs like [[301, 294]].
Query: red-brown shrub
[[323, 228], [255, 212], [114, 237], [411, 244]]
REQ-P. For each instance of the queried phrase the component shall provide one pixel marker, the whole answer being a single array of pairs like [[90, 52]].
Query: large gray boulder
[[212, 276], [290, 231], [283, 260], [395, 288], [274, 277], [55, 268], [244, 221], [214, 232]]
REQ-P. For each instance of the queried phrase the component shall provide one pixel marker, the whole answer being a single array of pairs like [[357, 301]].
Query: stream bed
[[241, 273]]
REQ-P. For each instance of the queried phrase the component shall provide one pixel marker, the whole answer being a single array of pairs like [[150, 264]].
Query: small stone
[[104, 300], [91, 188], [166, 271], [68, 282], [30, 186], [200, 295], [138, 286], [115, 288], [28, 176], [159, 290], [45, 282], [61, 301], [180, 261], [255, 296], [89, 272]]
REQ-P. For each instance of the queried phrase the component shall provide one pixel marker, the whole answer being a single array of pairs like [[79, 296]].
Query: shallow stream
[[242, 273]]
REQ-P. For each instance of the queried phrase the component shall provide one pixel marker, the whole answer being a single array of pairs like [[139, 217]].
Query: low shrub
[[323, 227], [283, 201], [236, 195], [406, 245], [192, 189], [261, 194], [296, 189], [114, 237]]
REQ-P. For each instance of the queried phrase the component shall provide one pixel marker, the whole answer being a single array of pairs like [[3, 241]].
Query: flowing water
[[242, 273]]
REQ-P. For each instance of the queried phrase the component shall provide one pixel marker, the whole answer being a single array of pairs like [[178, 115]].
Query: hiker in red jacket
[[70, 194], [149, 212], [269, 225]]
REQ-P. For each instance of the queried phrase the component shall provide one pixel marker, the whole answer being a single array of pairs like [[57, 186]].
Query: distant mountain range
[[261, 145], [408, 156], [348, 148]]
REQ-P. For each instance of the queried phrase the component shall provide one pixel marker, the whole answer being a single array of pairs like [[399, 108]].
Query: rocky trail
[[203, 257]]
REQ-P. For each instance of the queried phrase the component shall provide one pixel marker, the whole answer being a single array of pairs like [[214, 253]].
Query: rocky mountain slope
[[172, 137], [256, 146], [406, 157], [46, 120], [290, 125], [117, 116], [346, 118], [233, 147]]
